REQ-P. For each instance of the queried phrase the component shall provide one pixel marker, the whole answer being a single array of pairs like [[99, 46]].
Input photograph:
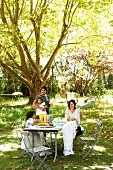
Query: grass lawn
[[15, 109]]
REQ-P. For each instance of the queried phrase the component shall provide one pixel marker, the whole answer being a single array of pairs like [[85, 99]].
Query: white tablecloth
[[69, 133]]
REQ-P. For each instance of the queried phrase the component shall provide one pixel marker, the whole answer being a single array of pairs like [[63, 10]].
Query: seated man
[[73, 114]]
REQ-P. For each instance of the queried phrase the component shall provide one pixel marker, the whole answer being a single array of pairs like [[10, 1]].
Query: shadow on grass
[[14, 106], [9, 161]]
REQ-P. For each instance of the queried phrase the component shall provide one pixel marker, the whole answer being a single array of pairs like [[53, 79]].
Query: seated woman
[[73, 114]]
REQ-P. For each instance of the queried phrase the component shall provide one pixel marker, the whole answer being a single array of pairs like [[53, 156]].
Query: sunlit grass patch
[[5, 101]]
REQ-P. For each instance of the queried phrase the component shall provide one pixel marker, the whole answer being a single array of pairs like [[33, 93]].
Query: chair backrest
[[34, 153], [18, 127], [27, 139], [98, 130], [31, 140]]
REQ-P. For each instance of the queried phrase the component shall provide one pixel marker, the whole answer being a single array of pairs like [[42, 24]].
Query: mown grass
[[15, 109]]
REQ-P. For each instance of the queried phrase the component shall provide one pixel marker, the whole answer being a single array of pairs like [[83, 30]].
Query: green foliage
[[110, 81], [97, 91], [58, 111], [34, 31], [98, 88], [2, 84], [52, 86], [10, 113], [109, 92]]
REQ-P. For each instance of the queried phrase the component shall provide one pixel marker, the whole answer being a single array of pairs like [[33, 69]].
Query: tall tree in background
[[24, 25], [32, 30]]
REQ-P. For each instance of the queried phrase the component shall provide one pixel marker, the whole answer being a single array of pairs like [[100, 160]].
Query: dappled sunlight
[[14, 102], [9, 147], [22, 102], [100, 148], [59, 136], [90, 121], [108, 99], [108, 111], [1, 154], [106, 167]]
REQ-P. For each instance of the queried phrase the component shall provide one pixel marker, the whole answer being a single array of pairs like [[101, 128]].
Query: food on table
[[42, 124]]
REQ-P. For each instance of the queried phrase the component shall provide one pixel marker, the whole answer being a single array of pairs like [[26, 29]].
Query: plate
[[45, 126]]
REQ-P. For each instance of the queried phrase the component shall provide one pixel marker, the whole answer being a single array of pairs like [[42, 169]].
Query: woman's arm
[[74, 119], [34, 104], [76, 116], [39, 121], [38, 107], [67, 114]]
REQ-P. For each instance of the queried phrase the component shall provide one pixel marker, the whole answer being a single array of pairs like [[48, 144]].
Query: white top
[[39, 111], [75, 115], [30, 122]]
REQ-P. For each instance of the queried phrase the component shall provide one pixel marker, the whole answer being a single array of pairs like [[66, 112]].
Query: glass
[[51, 119], [48, 118]]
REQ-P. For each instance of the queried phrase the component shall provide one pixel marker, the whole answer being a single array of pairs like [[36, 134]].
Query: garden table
[[65, 128], [46, 129]]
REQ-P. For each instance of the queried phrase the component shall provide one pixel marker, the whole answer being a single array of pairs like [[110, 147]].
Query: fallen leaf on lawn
[[65, 166], [16, 157], [109, 138], [55, 160]]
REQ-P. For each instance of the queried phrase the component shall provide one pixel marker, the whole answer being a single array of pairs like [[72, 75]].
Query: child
[[41, 110], [30, 117], [38, 137]]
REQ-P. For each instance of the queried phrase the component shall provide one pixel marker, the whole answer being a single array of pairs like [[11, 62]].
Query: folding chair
[[35, 152], [91, 142], [18, 127]]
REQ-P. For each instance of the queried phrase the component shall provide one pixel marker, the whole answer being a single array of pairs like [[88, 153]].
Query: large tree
[[24, 25], [35, 29]]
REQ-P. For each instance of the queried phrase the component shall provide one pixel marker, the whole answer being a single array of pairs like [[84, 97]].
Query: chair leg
[[43, 163], [21, 154], [90, 149]]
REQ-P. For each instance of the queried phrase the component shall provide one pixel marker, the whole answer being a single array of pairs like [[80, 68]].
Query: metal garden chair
[[91, 142], [18, 127], [35, 152]]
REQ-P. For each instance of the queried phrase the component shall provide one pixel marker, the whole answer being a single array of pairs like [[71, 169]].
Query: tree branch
[[65, 28], [16, 11], [3, 13], [22, 79], [22, 57], [9, 11], [73, 43]]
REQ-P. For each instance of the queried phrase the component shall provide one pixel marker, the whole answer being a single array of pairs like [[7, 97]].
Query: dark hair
[[30, 114], [43, 87], [40, 97], [73, 101]]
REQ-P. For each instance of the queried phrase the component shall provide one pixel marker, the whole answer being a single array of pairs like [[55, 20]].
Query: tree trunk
[[36, 90], [31, 97]]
